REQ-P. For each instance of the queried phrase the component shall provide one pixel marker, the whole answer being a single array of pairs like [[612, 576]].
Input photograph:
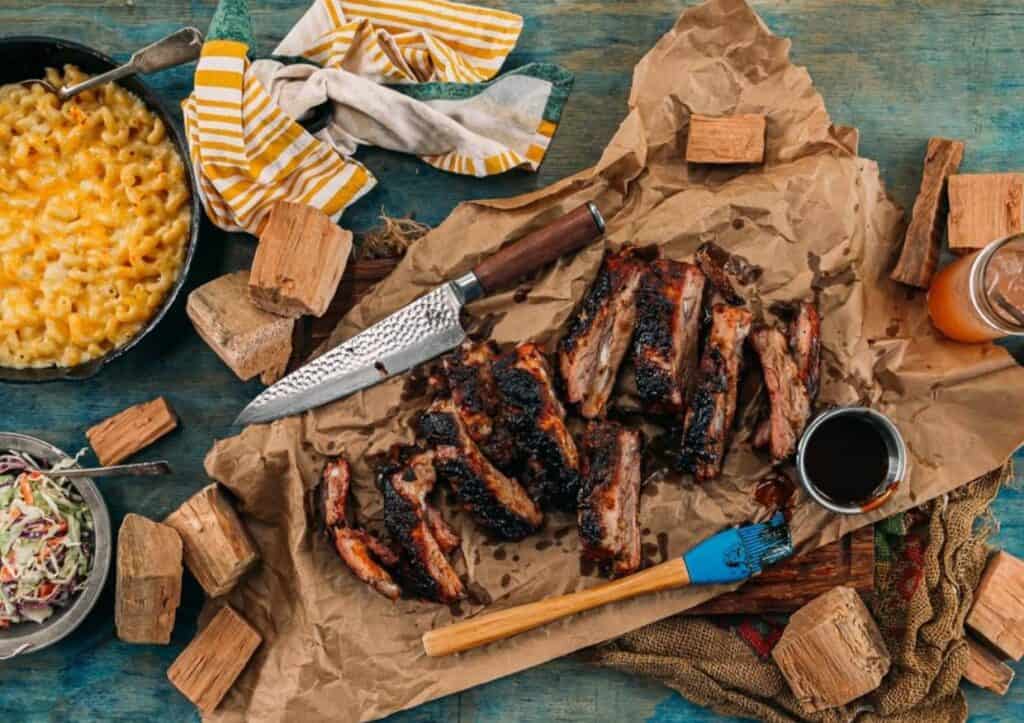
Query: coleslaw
[[46, 541]]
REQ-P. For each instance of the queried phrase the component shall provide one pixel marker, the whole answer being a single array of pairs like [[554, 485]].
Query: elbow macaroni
[[94, 221]]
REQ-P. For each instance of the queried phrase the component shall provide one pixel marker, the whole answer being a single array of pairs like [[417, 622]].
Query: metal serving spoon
[[140, 469], [176, 49]]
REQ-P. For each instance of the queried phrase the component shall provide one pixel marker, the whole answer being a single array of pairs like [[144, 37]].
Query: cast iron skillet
[[25, 57]]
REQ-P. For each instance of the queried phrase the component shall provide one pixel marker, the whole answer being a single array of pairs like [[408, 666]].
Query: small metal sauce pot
[[894, 444]]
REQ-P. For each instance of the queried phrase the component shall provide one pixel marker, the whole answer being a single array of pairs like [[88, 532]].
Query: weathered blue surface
[[900, 71]]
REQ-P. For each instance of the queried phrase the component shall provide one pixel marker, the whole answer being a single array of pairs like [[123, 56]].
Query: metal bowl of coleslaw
[[26, 637]]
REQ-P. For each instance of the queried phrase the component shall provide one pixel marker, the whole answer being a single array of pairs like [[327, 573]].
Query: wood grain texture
[[791, 584], [919, 256], [953, 72]]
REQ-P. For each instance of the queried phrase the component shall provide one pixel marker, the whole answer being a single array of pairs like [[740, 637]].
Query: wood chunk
[[832, 652], [984, 207], [728, 139], [920, 254], [246, 338], [998, 611], [209, 666], [986, 670], [148, 580], [299, 261], [119, 437], [218, 549]]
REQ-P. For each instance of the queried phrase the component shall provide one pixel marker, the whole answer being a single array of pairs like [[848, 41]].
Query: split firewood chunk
[[212, 662], [119, 437], [148, 580], [998, 611], [727, 139], [832, 652], [218, 549], [984, 207], [920, 254], [299, 261], [986, 670], [248, 339]]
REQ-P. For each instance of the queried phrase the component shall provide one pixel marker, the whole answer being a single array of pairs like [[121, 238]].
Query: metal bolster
[[598, 218], [467, 287]]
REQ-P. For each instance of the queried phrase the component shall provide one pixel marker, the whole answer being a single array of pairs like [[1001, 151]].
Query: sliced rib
[[471, 382], [713, 260], [665, 342], [713, 406], [595, 343], [498, 502], [363, 554], [805, 343], [419, 531], [608, 524], [789, 406], [537, 420]]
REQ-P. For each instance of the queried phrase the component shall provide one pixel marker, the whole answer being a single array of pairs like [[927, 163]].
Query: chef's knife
[[422, 330]]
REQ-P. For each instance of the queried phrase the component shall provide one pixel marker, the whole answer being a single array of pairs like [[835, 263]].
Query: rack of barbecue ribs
[[497, 432], [667, 331], [499, 503], [418, 530], [367, 557], [709, 418], [598, 336], [609, 502], [537, 420]]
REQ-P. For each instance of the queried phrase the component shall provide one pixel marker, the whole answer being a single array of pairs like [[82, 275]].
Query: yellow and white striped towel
[[413, 76]]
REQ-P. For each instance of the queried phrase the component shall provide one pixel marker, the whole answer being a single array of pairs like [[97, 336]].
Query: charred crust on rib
[[608, 513], [709, 419], [667, 331], [497, 501], [477, 497], [421, 535], [366, 557], [713, 260], [599, 334], [537, 421]]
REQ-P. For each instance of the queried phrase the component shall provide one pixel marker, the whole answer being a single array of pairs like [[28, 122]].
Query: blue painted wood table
[[900, 71]]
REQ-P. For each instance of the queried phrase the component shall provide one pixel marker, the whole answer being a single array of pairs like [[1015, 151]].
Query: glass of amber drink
[[980, 297]]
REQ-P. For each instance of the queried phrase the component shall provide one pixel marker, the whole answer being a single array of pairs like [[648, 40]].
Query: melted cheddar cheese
[[94, 221]]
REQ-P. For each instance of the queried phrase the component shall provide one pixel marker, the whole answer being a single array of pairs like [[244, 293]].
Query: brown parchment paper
[[815, 218]]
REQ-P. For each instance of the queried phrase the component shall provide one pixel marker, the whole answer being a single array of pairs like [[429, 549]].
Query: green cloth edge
[[231, 21], [561, 85]]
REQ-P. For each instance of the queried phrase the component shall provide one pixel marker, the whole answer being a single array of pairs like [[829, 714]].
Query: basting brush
[[730, 556]]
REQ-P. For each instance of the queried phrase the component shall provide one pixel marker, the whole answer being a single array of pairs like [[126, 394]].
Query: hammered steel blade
[[420, 331]]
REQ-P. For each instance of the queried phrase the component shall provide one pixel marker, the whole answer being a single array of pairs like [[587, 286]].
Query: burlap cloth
[[931, 559]]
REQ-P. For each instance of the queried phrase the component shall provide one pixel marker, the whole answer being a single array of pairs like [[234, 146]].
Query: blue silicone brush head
[[739, 553]]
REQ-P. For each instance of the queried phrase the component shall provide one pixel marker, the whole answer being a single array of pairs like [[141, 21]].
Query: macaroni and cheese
[[94, 221]]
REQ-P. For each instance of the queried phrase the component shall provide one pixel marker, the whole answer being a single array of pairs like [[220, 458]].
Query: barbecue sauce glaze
[[846, 458]]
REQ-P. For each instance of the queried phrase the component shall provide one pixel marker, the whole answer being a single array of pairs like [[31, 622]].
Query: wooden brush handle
[[506, 623], [572, 231]]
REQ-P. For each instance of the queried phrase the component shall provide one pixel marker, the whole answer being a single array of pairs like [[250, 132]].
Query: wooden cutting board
[[789, 585], [782, 588]]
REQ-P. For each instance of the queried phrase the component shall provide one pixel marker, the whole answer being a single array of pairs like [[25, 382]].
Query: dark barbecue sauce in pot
[[847, 459]]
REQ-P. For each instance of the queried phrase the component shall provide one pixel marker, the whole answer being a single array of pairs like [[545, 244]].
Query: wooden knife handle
[[572, 231], [506, 623]]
